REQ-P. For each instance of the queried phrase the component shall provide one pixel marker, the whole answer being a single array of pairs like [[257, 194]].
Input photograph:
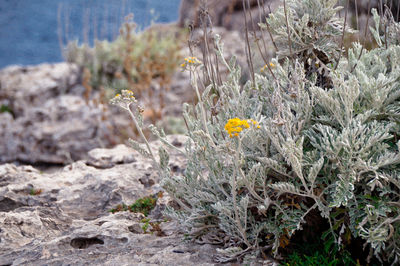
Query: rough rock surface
[[45, 119], [34, 85], [61, 130], [68, 220]]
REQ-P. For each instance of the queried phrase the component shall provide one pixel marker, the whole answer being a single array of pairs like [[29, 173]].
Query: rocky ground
[[62, 217]]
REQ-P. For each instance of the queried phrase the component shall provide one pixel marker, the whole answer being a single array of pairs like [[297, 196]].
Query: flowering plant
[[323, 158]]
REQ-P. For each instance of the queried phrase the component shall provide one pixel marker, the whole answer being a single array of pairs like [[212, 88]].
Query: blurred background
[[31, 31]]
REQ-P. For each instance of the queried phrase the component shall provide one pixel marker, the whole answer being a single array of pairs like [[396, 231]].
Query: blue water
[[30, 29]]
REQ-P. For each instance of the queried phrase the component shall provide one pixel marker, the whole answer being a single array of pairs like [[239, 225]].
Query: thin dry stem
[[365, 37], [357, 20], [268, 28], [343, 33], [248, 49], [262, 32]]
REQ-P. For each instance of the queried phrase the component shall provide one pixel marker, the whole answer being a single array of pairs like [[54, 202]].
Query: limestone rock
[[34, 85], [108, 240], [106, 158], [63, 217], [47, 120], [62, 130]]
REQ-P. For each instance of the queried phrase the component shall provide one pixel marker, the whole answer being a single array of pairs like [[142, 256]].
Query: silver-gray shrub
[[327, 142]]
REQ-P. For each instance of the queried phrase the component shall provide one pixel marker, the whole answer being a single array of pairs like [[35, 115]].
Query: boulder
[[45, 118], [60, 131], [22, 86]]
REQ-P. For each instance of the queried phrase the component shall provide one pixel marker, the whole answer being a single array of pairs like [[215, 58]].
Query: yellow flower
[[235, 125], [255, 123], [272, 65], [130, 94], [125, 95], [190, 61]]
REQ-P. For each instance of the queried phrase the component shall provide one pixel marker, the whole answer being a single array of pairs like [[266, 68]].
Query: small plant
[[35, 192], [146, 224], [153, 226], [143, 205], [6, 109], [119, 208]]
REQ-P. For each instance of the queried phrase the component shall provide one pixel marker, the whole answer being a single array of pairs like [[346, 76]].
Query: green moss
[[6, 109], [35, 192], [143, 205], [119, 208]]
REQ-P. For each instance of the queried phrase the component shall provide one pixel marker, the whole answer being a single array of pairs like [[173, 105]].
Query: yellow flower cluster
[[129, 93], [126, 95], [272, 65], [190, 61], [235, 125], [124, 98]]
